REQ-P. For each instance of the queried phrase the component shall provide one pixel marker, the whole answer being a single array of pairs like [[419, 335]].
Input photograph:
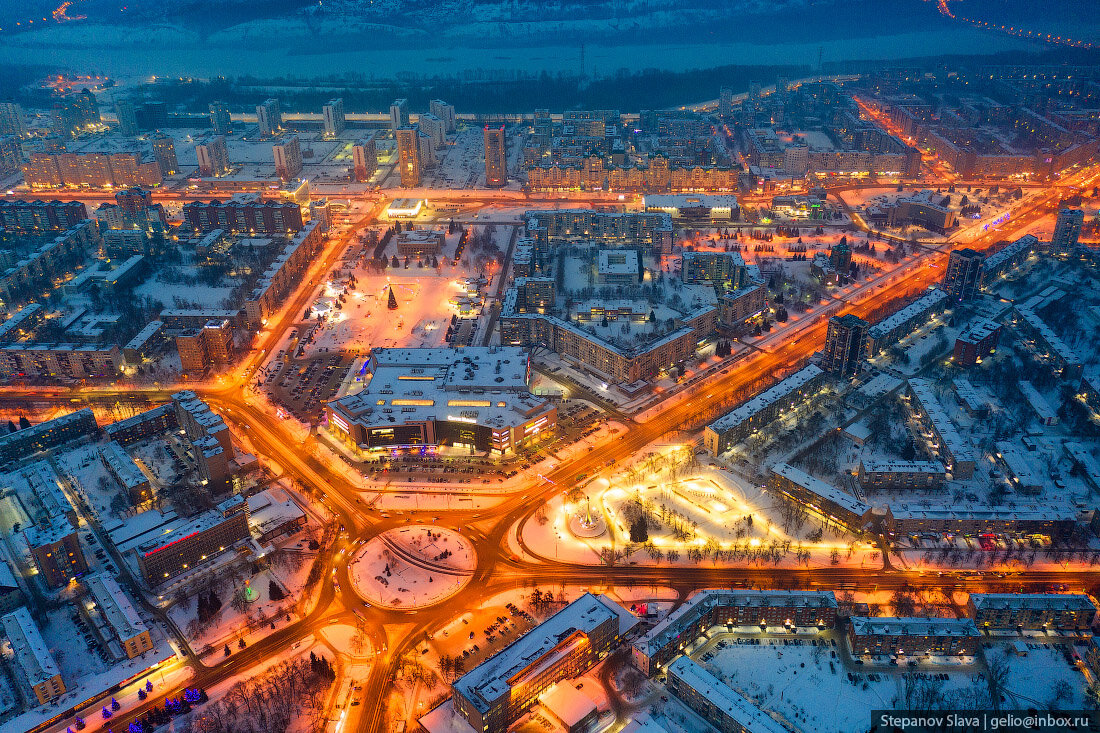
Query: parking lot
[[302, 386]]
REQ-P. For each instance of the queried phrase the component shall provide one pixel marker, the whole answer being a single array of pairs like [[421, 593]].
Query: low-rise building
[[1007, 258], [956, 453], [11, 595], [55, 549], [46, 435], [420, 243], [912, 636], [976, 342], [145, 343], [493, 695], [828, 500], [1031, 610], [37, 668], [1025, 476], [112, 605], [730, 607], [477, 397], [892, 329], [968, 519], [126, 471], [157, 421], [1044, 412], [695, 206], [716, 703], [899, 474], [283, 275], [186, 544], [1063, 359], [735, 426], [738, 308]]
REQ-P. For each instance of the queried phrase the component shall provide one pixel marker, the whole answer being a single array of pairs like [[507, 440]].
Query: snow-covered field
[[412, 567]]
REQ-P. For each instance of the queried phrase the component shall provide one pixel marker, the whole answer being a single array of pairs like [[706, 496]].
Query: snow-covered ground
[[412, 567], [808, 684]]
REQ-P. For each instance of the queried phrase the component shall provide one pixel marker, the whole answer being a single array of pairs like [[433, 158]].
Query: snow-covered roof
[[1023, 469], [487, 682], [31, 653], [917, 309], [1049, 337], [976, 512], [777, 392], [142, 337], [568, 704], [482, 385], [1032, 601], [730, 704], [1038, 403], [978, 329], [959, 449], [825, 490], [880, 465], [677, 201], [122, 465], [994, 262], [115, 606], [689, 613], [912, 626], [18, 319]]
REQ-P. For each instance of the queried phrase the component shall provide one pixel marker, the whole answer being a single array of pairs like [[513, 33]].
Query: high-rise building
[[11, 154], [11, 119], [365, 158], [334, 117], [213, 157], [269, 118], [435, 128], [725, 101], [288, 158], [267, 217], [963, 278], [840, 257], [127, 118], [134, 200], [1067, 229], [219, 118], [50, 170], [89, 106], [845, 345], [445, 112], [156, 115], [428, 152], [408, 156], [74, 113], [399, 114], [496, 157], [164, 150]]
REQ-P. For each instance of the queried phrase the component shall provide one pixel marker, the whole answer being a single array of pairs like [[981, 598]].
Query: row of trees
[[271, 702]]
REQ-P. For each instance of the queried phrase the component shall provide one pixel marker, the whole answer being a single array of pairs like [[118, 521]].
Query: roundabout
[[413, 567]]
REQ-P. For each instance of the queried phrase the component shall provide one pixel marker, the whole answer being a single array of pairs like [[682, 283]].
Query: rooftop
[[491, 679], [115, 606], [731, 704], [1033, 601], [777, 392], [913, 626], [31, 653], [702, 601], [821, 488]]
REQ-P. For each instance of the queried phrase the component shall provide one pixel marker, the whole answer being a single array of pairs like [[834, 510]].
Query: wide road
[[498, 568]]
